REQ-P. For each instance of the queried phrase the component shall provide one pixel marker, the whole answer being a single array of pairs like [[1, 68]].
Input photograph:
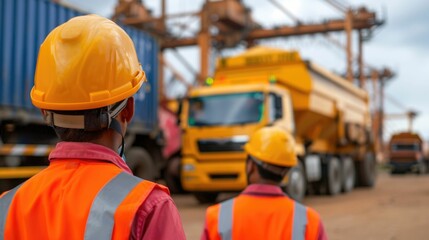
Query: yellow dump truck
[[407, 153], [328, 116]]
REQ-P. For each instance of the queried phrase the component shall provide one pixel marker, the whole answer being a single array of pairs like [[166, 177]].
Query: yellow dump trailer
[[328, 115]]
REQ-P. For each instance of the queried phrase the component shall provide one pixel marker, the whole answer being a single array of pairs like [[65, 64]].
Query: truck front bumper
[[404, 166], [212, 176]]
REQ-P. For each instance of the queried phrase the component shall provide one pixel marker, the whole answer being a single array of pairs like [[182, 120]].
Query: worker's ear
[[250, 167], [128, 112], [247, 165]]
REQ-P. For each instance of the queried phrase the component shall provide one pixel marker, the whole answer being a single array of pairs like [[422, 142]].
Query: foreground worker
[[262, 210], [87, 73]]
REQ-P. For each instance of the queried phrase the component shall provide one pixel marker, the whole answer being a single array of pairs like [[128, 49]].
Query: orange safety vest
[[261, 217], [74, 199]]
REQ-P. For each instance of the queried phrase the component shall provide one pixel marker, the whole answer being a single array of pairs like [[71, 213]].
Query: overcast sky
[[402, 44]]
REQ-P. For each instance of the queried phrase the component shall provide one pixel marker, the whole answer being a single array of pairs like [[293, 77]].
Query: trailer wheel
[[334, 177], [422, 168], [296, 184], [172, 176], [141, 163], [348, 174], [206, 197], [427, 165], [366, 170], [396, 171]]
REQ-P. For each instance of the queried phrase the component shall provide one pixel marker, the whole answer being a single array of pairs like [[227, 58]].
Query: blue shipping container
[[23, 26]]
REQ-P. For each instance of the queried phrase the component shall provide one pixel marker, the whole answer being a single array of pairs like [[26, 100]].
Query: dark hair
[[268, 175], [78, 135]]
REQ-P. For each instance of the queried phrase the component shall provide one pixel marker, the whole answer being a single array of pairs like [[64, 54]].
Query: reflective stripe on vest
[[100, 221], [299, 222], [4, 209], [226, 217]]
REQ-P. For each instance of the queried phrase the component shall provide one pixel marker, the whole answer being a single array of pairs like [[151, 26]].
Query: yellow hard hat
[[272, 145], [86, 63]]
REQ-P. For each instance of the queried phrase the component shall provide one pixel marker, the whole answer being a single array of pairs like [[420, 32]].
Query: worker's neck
[[267, 182], [109, 140]]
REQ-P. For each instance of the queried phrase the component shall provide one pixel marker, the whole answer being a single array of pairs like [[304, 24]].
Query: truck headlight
[[240, 139], [188, 167]]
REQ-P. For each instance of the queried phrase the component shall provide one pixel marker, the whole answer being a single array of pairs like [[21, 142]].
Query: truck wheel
[[172, 176], [396, 171], [206, 197], [348, 174], [427, 166], [366, 171], [422, 168], [141, 163], [334, 179], [296, 185]]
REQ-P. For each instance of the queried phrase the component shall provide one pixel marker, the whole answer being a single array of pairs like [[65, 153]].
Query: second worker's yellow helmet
[[272, 145]]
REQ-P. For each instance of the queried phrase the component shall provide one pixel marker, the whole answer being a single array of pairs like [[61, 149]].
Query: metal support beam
[[362, 79], [283, 31], [204, 43], [161, 88], [349, 31]]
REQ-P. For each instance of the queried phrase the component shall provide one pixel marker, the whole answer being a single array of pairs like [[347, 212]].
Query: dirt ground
[[396, 208]]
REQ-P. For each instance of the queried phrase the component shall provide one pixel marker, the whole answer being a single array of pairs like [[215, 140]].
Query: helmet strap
[[114, 111], [114, 125]]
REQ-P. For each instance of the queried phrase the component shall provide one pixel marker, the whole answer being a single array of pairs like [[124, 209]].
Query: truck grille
[[223, 176], [402, 159], [220, 146]]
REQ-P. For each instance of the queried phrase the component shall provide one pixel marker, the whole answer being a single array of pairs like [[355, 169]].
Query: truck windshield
[[406, 147], [226, 109]]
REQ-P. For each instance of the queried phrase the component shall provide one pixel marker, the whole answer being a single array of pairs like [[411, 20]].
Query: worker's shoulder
[[159, 195], [158, 190], [312, 214]]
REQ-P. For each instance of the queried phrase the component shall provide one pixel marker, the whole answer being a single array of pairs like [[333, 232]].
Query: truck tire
[[206, 197], [334, 176], [141, 163], [427, 165], [172, 176], [366, 170], [348, 174], [395, 171], [296, 184], [422, 168]]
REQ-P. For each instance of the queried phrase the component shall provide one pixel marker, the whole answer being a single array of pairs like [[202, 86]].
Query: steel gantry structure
[[233, 24]]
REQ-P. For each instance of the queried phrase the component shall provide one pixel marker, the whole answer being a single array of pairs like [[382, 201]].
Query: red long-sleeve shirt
[[157, 217]]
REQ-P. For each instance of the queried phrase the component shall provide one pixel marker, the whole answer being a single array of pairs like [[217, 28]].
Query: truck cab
[[406, 153], [217, 122]]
